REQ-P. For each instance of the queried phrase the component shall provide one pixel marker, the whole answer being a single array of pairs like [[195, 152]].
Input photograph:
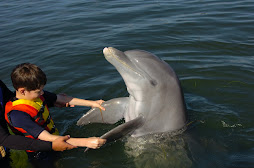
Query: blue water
[[209, 43]]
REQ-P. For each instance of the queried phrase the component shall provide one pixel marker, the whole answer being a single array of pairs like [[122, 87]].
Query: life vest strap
[[41, 111], [53, 130], [47, 121]]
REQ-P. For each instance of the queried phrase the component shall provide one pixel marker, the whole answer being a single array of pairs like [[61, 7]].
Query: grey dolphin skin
[[155, 96]]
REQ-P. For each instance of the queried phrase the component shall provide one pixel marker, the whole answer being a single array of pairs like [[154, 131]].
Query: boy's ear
[[21, 91]]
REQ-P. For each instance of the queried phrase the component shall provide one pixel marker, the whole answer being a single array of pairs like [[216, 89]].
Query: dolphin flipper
[[115, 109], [122, 130]]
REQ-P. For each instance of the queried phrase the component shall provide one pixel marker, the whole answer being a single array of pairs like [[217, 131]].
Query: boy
[[17, 142], [27, 113]]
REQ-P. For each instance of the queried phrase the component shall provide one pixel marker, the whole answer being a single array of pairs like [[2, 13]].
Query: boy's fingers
[[66, 137], [103, 141], [68, 105], [102, 108]]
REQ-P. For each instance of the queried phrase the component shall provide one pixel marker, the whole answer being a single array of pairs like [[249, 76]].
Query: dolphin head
[[139, 70]]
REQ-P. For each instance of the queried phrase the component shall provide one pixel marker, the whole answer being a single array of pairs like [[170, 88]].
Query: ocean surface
[[209, 44]]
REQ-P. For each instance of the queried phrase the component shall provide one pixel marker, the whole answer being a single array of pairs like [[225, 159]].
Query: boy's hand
[[98, 103], [60, 144], [95, 142]]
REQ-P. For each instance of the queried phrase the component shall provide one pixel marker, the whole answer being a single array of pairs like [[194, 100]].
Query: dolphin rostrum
[[155, 103]]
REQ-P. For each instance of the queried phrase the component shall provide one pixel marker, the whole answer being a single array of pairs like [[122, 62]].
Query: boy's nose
[[42, 92]]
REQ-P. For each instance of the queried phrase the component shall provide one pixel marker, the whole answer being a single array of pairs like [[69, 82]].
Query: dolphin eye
[[153, 82]]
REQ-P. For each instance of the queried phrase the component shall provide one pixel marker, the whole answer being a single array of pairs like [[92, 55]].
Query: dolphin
[[155, 103]]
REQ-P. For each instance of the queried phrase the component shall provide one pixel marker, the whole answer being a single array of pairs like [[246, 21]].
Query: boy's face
[[33, 94]]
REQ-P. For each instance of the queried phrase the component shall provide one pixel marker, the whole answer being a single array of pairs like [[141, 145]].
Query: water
[[210, 44]]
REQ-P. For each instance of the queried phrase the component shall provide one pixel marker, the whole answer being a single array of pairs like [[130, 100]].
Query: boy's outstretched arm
[[92, 142], [71, 101]]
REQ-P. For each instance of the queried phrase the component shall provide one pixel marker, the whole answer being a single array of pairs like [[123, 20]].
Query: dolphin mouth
[[111, 54]]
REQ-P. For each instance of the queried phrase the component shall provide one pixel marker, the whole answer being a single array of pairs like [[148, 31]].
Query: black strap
[[39, 115]]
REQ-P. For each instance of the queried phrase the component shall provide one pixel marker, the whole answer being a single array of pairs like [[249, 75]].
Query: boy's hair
[[28, 76]]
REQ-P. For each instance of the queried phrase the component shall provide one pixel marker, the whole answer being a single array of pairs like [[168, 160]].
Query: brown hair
[[29, 76]]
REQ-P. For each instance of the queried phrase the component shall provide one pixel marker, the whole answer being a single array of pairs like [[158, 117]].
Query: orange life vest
[[37, 109]]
